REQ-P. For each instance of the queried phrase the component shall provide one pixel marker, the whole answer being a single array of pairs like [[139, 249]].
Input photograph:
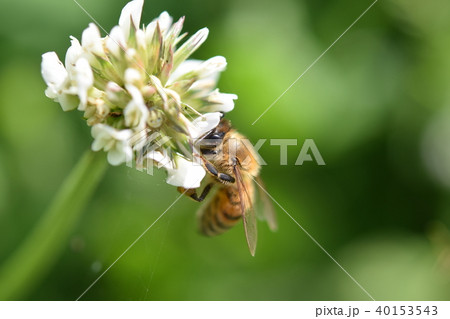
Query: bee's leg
[[222, 177], [192, 192], [211, 169], [226, 178]]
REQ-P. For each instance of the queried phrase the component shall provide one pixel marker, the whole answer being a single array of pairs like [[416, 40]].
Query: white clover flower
[[136, 112], [113, 141], [203, 124], [91, 40], [221, 102], [84, 80], [179, 170], [137, 82], [54, 74], [57, 79], [185, 173]]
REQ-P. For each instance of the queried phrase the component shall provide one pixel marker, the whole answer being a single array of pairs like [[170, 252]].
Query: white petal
[[149, 30], [221, 102], [139, 140], [91, 40], [136, 112], [164, 21], [190, 46], [72, 54], [122, 135], [131, 13], [51, 93], [84, 80], [135, 94], [114, 141], [97, 145], [186, 174], [211, 66], [116, 94], [121, 153], [162, 159], [116, 157], [68, 101], [183, 69], [98, 132], [131, 55], [132, 76], [204, 124], [205, 86], [174, 96], [140, 38], [113, 87], [115, 43], [53, 70], [208, 73]]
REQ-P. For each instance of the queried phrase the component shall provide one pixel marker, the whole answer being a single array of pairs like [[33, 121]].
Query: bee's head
[[223, 127], [216, 135]]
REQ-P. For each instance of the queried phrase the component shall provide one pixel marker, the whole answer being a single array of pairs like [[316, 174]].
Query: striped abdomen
[[222, 212]]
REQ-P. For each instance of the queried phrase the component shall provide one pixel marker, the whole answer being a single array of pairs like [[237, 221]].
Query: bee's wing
[[248, 213], [268, 211]]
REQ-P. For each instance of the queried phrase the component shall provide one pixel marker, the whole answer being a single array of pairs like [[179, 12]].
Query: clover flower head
[[145, 101]]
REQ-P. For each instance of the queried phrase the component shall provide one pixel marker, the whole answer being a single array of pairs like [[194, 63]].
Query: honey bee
[[232, 167]]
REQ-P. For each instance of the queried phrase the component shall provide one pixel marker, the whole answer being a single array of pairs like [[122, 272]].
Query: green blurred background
[[377, 106]]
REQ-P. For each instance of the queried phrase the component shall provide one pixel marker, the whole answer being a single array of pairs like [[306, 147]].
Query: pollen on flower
[[144, 99]]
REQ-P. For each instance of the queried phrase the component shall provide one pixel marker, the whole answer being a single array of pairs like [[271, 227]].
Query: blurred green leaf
[[41, 247], [390, 268], [367, 103]]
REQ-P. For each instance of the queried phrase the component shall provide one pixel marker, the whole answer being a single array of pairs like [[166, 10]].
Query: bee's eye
[[215, 136], [212, 140]]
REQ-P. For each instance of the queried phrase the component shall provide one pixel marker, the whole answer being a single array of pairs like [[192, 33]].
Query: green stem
[[45, 243]]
